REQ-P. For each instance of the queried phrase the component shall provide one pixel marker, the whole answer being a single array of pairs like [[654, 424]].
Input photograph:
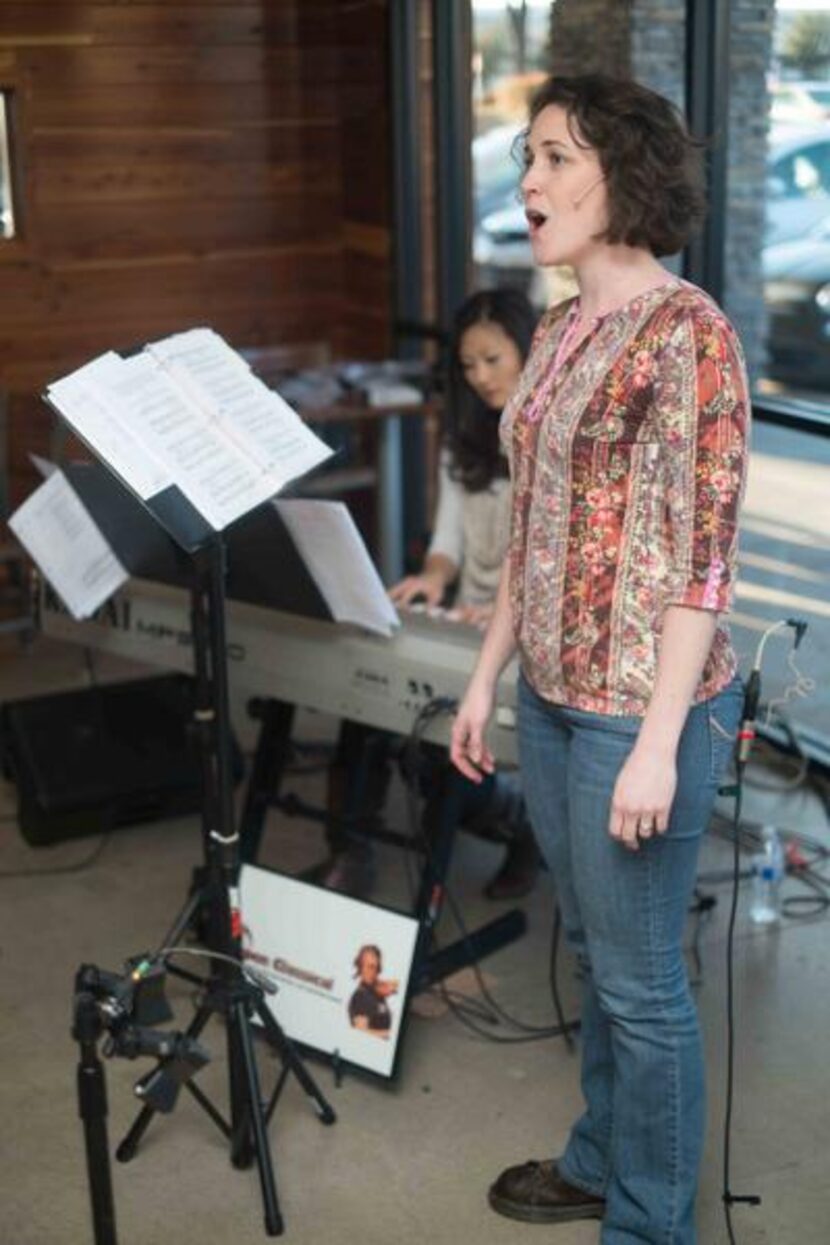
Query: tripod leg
[[441, 815], [92, 1108], [242, 1140], [273, 1219], [126, 1150], [286, 1050]]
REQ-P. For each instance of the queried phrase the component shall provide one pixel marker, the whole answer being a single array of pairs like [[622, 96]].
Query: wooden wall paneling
[[290, 319], [149, 25], [32, 294], [186, 163], [429, 290], [90, 230], [366, 187]]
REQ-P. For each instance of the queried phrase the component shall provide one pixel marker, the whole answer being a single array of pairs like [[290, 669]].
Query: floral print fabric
[[628, 465]]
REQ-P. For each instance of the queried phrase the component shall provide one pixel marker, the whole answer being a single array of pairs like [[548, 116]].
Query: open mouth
[[535, 220]]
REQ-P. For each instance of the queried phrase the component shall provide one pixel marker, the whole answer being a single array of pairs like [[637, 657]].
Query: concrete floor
[[406, 1163]]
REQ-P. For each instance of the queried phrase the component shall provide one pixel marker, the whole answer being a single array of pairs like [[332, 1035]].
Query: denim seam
[[655, 863], [674, 1130]]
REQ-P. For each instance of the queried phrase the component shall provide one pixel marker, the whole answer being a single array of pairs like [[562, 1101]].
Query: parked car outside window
[[799, 103], [797, 296]]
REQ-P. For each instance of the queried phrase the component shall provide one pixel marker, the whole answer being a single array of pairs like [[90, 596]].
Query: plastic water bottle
[[768, 871]]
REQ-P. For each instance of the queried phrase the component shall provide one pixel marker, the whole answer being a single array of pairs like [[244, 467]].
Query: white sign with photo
[[342, 966]]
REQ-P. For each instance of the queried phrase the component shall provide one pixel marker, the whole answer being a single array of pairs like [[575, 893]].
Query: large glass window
[[777, 289], [796, 253], [510, 57], [6, 208]]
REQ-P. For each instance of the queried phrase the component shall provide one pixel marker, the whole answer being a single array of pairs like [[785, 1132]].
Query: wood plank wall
[[190, 161]]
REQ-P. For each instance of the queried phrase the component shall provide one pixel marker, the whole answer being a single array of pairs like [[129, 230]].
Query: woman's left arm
[[707, 411]]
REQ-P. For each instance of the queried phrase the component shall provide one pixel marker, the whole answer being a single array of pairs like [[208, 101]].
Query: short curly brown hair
[[652, 165]]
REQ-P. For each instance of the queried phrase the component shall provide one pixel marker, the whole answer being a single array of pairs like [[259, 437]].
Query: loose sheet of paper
[[329, 543], [59, 535]]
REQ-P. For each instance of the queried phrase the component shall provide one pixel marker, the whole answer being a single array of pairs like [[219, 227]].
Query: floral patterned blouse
[[628, 465]]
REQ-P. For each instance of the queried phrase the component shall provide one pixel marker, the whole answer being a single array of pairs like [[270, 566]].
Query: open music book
[[187, 413], [199, 443]]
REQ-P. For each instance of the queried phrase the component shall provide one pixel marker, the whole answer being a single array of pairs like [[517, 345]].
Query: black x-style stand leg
[[92, 1107], [443, 812]]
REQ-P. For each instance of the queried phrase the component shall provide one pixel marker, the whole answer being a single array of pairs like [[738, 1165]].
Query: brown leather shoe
[[536, 1193]]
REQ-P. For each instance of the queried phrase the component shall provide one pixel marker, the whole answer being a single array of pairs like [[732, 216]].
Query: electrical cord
[[746, 736], [86, 862], [729, 1198], [258, 976]]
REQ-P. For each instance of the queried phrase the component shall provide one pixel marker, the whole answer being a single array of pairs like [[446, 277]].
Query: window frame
[[19, 245], [7, 179]]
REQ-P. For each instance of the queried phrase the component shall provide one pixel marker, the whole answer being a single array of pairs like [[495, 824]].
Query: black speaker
[[111, 755]]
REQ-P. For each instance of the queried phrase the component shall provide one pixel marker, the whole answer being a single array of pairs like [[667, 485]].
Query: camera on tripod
[[126, 1007]]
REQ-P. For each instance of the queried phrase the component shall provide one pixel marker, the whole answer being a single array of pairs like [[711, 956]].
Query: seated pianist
[[491, 338]]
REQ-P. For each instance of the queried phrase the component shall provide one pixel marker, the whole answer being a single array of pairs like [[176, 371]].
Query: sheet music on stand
[[199, 443], [187, 414]]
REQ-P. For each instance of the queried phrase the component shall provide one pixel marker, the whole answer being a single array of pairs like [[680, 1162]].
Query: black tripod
[[227, 991], [92, 1107]]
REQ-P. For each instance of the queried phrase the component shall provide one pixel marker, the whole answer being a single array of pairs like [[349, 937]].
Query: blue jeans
[[639, 1141]]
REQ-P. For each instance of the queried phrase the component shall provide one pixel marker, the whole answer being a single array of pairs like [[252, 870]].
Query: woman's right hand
[[429, 586], [469, 752]]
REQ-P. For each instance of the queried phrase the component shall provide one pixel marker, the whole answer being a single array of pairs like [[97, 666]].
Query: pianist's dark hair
[[472, 433]]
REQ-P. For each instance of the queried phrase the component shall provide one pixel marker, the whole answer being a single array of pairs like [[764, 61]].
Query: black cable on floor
[[78, 866], [729, 1198]]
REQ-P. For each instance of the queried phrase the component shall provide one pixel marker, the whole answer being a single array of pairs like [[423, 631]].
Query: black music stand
[[168, 538]]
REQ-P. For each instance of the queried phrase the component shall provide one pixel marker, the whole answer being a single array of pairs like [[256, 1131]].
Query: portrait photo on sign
[[369, 1008]]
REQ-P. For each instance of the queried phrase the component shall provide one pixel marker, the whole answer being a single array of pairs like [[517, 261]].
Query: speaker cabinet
[[112, 755]]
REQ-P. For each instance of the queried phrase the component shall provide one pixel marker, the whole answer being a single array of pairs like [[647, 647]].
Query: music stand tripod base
[[227, 992]]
